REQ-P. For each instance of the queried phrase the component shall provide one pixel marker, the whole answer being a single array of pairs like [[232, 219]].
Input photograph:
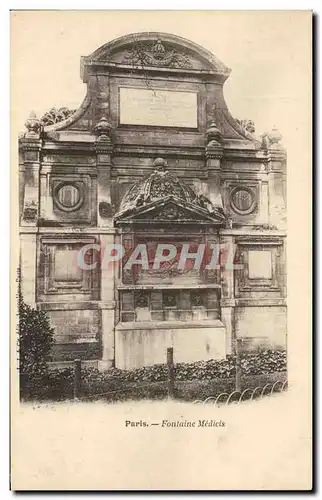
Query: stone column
[[277, 189], [46, 200], [30, 148], [104, 151], [227, 302], [108, 302], [28, 259], [263, 209], [214, 154], [276, 169]]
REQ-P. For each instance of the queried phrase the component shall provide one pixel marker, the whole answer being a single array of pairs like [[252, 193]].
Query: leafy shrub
[[269, 361], [59, 384], [34, 344], [114, 379], [191, 379]]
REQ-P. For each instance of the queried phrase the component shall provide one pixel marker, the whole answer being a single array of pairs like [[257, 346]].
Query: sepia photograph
[[151, 277]]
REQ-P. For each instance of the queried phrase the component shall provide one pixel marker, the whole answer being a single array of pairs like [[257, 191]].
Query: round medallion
[[68, 197], [242, 200]]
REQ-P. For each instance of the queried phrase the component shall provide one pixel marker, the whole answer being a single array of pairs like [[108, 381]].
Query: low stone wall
[[144, 344]]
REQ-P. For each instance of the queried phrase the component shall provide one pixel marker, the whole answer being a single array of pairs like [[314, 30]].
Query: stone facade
[[152, 156]]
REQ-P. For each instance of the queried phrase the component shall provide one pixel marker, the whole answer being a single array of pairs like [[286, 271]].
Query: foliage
[[191, 379], [98, 386], [268, 361], [34, 345], [257, 363]]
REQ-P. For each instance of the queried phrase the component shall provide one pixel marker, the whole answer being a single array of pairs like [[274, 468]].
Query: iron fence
[[238, 397]]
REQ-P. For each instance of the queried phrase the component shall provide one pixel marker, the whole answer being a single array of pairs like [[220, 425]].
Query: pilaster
[[227, 301], [28, 254], [30, 148], [276, 171], [107, 303], [277, 189], [30, 206], [263, 209], [104, 152], [214, 154]]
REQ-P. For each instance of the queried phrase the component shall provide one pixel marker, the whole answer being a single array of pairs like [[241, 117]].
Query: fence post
[[77, 378], [238, 365], [170, 372]]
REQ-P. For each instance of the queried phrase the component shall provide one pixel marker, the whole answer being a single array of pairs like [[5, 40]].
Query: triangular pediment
[[170, 211]]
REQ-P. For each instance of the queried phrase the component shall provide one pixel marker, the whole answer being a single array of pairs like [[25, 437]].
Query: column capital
[[30, 144], [214, 151], [103, 148]]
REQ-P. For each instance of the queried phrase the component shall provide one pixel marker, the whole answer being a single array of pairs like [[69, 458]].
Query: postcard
[[161, 280]]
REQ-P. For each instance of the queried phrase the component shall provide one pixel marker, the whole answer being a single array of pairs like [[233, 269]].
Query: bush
[[259, 363], [252, 364], [191, 379], [34, 345]]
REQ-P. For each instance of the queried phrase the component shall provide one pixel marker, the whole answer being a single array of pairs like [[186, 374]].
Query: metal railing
[[238, 397]]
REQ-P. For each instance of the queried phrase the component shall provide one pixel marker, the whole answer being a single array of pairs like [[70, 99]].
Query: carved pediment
[[170, 210], [158, 50], [158, 54]]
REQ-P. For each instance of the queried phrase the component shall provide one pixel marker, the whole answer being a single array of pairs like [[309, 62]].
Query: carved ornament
[[158, 54], [271, 140], [33, 126], [247, 125], [56, 115], [105, 210], [30, 211], [213, 135], [103, 130]]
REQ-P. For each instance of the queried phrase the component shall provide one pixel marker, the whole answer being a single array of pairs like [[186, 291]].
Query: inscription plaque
[[165, 108]]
